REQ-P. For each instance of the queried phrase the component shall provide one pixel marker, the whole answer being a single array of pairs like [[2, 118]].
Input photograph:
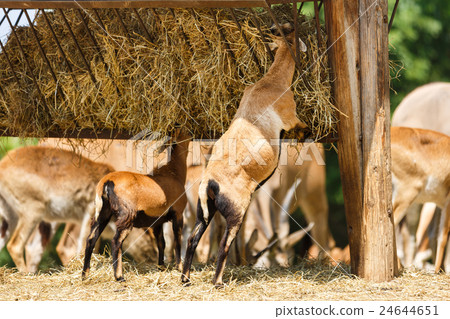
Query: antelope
[[137, 200], [299, 181], [426, 107], [44, 184], [421, 173], [266, 109], [140, 244]]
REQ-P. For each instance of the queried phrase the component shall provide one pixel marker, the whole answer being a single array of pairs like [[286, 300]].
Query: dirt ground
[[306, 281]]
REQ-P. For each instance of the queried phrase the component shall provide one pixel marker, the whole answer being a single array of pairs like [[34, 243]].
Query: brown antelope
[[299, 181], [421, 173], [44, 184], [233, 174], [121, 155], [137, 200], [426, 107]]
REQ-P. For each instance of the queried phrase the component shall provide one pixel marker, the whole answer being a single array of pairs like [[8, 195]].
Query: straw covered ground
[[305, 281], [179, 69]]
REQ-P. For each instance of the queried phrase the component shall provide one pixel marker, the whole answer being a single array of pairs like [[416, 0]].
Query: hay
[[153, 83], [304, 281]]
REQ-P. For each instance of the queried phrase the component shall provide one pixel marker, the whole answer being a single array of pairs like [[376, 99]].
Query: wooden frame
[[358, 40], [358, 48], [65, 4]]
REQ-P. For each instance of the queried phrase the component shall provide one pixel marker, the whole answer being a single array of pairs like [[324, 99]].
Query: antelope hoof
[[219, 285], [161, 267], [185, 280], [121, 279]]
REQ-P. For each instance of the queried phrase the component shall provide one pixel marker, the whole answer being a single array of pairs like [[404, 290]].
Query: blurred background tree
[[420, 41]]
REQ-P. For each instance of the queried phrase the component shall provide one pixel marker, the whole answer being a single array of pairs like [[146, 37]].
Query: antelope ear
[[302, 45], [287, 27], [273, 46]]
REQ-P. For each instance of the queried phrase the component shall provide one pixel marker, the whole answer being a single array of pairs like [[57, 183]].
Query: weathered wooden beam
[[343, 41], [115, 134], [63, 4], [82, 133], [380, 250], [357, 37]]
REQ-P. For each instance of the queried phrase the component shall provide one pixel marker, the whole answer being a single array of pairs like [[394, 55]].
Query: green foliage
[[420, 40], [9, 143]]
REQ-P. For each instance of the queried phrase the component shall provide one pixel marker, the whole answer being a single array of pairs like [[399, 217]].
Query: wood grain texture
[[378, 224], [62, 4], [357, 35], [343, 41]]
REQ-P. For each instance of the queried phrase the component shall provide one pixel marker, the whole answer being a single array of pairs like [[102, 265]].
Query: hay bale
[[152, 82]]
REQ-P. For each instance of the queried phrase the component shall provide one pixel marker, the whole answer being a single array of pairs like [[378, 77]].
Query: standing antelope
[[426, 107], [119, 155], [44, 184], [232, 174], [299, 181], [137, 200], [421, 173]]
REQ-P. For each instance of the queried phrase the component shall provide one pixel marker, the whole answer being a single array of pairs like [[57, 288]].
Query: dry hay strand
[[307, 280], [177, 71]]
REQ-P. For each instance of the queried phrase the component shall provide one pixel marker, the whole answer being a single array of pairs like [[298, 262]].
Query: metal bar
[[88, 4], [263, 37], [200, 27], [99, 20], [186, 38], [296, 42], [97, 47], [60, 48], [78, 47], [122, 24], [88, 31], [275, 21], [36, 16], [7, 58], [301, 7], [9, 63], [319, 38], [4, 17], [26, 61], [255, 58], [222, 35], [41, 49], [44, 55], [147, 34], [320, 4], [394, 11], [2, 93], [155, 13], [18, 19]]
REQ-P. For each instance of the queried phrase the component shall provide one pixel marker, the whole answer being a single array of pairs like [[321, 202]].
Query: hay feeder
[[75, 71]]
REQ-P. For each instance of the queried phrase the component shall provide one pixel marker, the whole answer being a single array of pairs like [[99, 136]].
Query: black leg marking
[[118, 239], [177, 227], [158, 231], [197, 233], [96, 230]]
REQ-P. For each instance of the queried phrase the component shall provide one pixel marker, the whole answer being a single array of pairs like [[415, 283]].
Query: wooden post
[[358, 54]]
